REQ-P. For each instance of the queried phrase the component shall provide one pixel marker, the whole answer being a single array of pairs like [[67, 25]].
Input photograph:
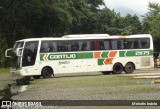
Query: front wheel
[[129, 68], [47, 72]]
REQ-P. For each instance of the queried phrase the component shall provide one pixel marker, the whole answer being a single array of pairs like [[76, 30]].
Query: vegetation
[[53, 18], [4, 72], [112, 84]]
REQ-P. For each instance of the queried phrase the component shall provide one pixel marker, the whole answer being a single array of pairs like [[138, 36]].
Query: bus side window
[[102, 45], [106, 45], [114, 44], [128, 44], [84, 46], [52, 46], [44, 47], [145, 43], [95, 45], [75, 46], [63, 48], [136, 44], [120, 44]]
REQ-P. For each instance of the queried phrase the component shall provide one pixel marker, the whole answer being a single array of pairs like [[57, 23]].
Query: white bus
[[81, 53]]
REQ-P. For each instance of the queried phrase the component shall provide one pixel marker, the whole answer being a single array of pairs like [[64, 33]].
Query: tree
[[126, 25], [151, 23]]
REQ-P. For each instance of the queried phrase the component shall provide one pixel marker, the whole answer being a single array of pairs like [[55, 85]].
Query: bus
[[81, 53]]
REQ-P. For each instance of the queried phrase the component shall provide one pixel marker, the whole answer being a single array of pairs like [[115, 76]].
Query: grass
[[89, 81], [96, 85], [4, 73]]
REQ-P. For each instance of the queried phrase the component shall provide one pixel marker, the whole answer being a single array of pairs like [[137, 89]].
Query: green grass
[[97, 84], [4, 71], [89, 81]]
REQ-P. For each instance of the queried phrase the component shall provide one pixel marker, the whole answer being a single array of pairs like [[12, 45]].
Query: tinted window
[[29, 53], [88, 45], [145, 43], [48, 46]]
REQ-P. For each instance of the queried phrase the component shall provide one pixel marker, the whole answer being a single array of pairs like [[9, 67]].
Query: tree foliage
[[53, 18], [151, 23]]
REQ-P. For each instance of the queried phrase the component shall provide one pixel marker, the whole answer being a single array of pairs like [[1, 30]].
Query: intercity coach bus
[[81, 53]]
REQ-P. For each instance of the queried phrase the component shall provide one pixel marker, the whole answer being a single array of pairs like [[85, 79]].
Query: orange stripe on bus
[[97, 54], [122, 36], [108, 61], [113, 53]]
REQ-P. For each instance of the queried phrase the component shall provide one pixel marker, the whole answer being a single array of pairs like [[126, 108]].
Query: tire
[[117, 68], [129, 68], [37, 76], [47, 72], [106, 72]]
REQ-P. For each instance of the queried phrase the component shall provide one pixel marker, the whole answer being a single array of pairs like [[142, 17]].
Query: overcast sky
[[139, 6]]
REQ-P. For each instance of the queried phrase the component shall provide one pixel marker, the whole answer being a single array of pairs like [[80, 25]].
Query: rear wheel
[[37, 76], [129, 68], [47, 72], [117, 68]]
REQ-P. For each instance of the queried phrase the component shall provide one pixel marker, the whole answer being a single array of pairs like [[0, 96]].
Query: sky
[[138, 6]]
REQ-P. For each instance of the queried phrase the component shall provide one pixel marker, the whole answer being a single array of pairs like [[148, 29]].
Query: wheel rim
[[129, 68], [118, 68], [47, 72]]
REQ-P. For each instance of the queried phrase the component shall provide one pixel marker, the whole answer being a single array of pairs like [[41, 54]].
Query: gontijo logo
[[65, 56], [58, 56]]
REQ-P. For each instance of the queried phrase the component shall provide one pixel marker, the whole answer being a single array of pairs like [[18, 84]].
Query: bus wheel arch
[[47, 72], [129, 67], [117, 68]]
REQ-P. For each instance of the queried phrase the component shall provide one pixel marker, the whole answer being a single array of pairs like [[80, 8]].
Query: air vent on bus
[[85, 35]]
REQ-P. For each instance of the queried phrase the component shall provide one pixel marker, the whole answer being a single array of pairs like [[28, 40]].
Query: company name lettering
[[66, 56]]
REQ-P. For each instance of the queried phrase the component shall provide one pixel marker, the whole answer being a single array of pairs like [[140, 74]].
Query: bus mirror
[[19, 51], [8, 54]]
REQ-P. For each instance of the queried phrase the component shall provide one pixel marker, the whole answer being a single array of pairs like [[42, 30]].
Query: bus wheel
[[47, 72], [129, 68], [117, 68], [106, 72], [37, 76]]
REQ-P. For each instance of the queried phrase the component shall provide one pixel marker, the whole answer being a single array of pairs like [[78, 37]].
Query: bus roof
[[87, 36]]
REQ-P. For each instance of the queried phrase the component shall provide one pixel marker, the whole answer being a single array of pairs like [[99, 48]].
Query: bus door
[[29, 57]]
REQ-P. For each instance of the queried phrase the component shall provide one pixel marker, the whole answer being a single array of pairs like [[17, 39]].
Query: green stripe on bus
[[100, 61], [135, 53], [104, 54], [41, 56], [87, 55], [64, 56]]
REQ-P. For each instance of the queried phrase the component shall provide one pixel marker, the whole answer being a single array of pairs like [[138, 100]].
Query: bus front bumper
[[15, 72]]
